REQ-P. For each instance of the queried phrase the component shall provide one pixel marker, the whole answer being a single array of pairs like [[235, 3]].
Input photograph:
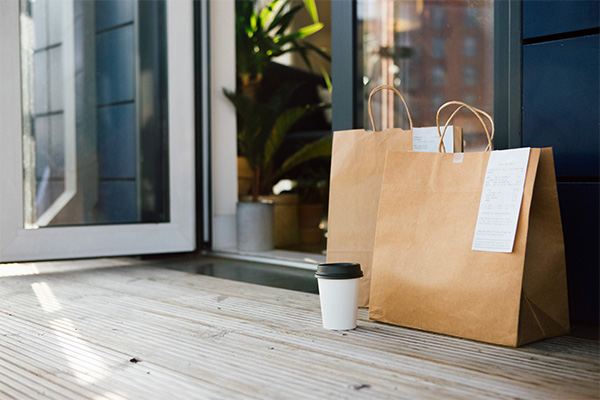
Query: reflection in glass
[[469, 47], [438, 47], [94, 112], [469, 75], [438, 75], [433, 51]]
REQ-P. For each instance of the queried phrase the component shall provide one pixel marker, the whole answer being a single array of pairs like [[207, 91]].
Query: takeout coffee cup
[[338, 292]]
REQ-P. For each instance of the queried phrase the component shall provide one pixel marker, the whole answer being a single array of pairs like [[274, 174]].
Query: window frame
[[177, 235]]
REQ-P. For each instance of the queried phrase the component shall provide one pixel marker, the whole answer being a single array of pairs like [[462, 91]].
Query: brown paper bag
[[357, 160], [425, 274]]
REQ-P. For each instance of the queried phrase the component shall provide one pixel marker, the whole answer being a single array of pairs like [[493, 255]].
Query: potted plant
[[263, 34], [263, 127]]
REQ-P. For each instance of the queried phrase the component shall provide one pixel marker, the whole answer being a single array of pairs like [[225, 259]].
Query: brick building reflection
[[434, 51]]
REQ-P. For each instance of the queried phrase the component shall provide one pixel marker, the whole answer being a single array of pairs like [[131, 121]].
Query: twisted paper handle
[[387, 87], [478, 113]]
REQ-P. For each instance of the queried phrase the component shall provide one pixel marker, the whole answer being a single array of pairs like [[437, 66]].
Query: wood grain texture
[[140, 332]]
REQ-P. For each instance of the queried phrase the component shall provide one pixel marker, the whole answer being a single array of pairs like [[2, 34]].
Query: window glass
[[469, 76], [438, 47], [469, 47], [94, 112], [471, 16], [438, 17], [438, 75], [441, 50]]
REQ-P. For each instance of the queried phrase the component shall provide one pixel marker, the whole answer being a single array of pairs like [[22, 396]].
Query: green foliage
[[264, 34], [318, 148], [263, 126]]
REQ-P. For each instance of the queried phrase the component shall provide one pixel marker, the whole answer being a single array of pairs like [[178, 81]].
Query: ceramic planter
[[285, 223], [255, 226]]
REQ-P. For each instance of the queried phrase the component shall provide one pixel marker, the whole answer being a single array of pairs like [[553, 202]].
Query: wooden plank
[[73, 335]]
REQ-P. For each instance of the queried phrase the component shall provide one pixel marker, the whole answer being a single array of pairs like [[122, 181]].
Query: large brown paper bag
[[425, 274], [357, 160]]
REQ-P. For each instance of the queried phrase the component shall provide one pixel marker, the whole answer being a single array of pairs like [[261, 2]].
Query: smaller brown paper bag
[[357, 162], [425, 273]]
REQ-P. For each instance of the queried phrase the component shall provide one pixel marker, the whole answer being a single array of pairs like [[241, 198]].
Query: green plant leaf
[[327, 79], [300, 33], [283, 21], [304, 56], [283, 123], [254, 24], [318, 50], [270, 11], [310, 29], [277, 17], [316, 149], [311, 6]]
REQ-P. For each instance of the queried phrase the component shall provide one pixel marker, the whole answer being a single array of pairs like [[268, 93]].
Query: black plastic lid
[[339, 271]]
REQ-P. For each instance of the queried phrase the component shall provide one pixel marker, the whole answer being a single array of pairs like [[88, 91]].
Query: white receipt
[[428, 139], [501, 200]]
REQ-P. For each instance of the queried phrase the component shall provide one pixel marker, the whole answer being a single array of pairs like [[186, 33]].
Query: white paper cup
[[338, 292]]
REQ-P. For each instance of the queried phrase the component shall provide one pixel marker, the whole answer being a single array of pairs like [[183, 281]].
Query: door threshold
[[286, 258]]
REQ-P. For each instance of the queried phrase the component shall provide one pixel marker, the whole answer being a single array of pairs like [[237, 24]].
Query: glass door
[[97, 132]]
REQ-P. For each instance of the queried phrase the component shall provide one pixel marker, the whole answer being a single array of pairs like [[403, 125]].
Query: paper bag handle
[[393, 89], [478, 113]]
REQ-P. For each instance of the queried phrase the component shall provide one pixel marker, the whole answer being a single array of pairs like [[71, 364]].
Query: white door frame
[[223, 124], [177, 235]]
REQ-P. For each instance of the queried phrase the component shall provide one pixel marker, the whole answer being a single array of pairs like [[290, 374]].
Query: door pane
[[94, 112], [434, 51]]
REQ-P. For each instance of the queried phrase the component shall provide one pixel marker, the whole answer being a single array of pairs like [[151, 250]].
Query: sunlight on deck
[[84, 363], [49, 267], [46, 297], [7, 270]]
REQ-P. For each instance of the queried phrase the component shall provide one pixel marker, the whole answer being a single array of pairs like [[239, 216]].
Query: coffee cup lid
[[339, 271]]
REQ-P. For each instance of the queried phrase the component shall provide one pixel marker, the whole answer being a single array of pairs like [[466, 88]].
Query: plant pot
[[285, 228], [309, 219], [255, 226]]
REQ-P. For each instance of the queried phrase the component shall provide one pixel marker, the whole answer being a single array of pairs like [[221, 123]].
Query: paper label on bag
[[458, 158], [501, 200], [427, 139]]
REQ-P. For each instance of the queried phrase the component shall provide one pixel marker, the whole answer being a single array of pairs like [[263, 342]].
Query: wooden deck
[[141, 332]]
